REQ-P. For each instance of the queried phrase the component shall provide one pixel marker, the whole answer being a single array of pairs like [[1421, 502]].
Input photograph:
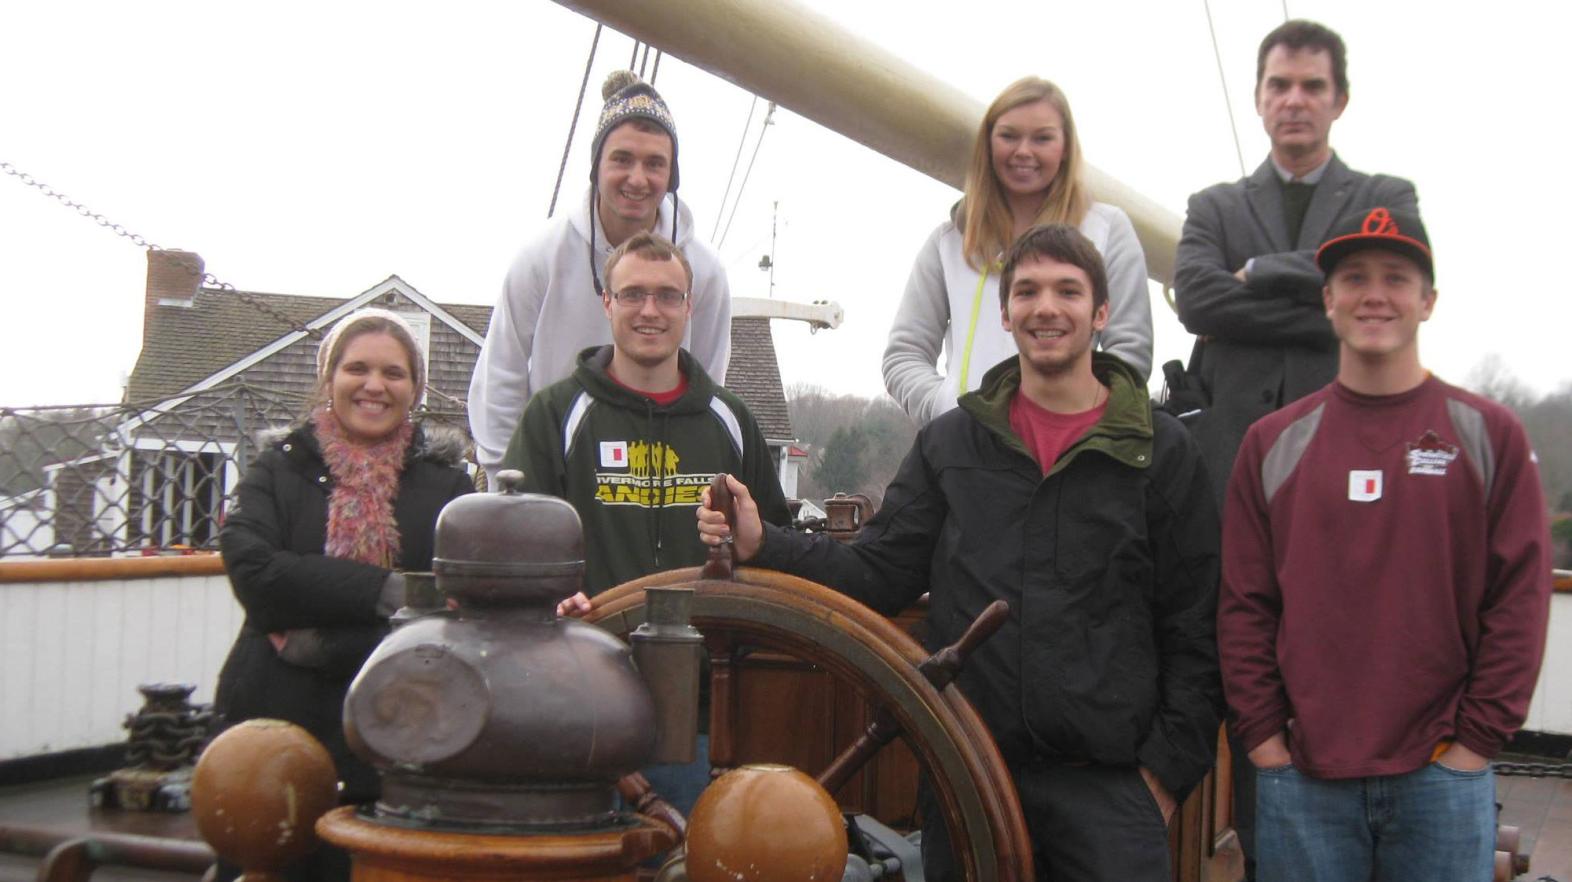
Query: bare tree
[[856, 443]]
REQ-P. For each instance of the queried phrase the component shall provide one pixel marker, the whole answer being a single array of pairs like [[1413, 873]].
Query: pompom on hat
[[1385, 228], [629, 97]]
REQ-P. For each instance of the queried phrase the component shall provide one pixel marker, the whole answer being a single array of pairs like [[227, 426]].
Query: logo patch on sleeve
[[1364, 485], [1430, 455], [613, 454]]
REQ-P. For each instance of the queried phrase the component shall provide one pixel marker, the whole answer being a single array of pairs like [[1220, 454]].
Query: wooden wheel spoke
[[780, 613], [941, 669]]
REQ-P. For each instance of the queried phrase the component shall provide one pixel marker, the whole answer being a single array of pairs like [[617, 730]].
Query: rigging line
[[1285, 10], [764, 127], [655, 72], [634, 58], [574, 125], [1223, 81], [720, 212], [644, 61]]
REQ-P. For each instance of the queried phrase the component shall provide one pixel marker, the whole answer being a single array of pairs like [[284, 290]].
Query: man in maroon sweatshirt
[[1386, 587]]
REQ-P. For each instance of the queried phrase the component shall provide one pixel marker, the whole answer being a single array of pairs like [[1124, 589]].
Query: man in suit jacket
[[1245, 280]]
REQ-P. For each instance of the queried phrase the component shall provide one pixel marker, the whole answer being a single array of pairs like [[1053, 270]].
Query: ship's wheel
[[774, 611]]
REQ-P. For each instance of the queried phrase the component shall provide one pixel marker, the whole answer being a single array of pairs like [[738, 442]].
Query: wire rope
[[764, 127], [574, 125], [741, 143], [1222, 80]]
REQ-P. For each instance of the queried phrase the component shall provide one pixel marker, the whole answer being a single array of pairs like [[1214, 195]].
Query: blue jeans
[[1435, 824], [681, 783]]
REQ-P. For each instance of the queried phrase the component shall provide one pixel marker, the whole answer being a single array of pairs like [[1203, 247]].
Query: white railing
[[1551, 710], [74, 650], [74, 646]]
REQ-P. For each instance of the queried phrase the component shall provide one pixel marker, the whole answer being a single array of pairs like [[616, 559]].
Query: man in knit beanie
[[550, 308]]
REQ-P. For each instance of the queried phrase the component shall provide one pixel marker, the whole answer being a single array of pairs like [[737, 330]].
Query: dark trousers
[[1087, 824], [328, 863], [1244, 803]]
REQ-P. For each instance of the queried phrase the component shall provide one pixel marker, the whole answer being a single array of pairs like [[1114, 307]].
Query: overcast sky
[[316, 148]]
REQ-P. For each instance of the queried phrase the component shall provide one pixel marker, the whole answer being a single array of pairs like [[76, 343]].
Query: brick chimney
[[173, 278]]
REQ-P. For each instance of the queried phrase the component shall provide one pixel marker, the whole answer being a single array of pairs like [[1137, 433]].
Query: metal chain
[[208, 279], [72, 204], [1533, 770]]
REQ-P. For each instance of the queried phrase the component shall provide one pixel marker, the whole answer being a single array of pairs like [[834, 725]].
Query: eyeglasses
[[665, 298]]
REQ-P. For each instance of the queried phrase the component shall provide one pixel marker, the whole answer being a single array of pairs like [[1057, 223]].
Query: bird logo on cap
[[1379, 222]]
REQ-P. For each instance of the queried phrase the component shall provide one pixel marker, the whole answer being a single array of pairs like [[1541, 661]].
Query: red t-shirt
[[660, 398], [1047, 434]]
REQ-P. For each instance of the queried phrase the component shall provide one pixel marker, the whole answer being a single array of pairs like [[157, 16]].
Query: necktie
[[1296, 201]]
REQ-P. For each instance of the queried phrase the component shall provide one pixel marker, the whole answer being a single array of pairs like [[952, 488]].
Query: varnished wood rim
[[773, 610], [105, 569], [492, 855]]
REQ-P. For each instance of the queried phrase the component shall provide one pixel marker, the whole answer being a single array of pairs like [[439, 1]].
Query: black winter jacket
[[1109, 564], [272, 542]]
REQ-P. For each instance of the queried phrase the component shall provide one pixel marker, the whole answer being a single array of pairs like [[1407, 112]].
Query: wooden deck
[[62, 805], [1542, 807]]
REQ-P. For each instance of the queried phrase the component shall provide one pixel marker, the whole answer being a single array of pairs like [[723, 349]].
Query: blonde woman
[[1025, 169]]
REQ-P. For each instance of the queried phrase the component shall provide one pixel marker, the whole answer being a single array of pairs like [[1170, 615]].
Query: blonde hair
[[987, 226], [368, 320]]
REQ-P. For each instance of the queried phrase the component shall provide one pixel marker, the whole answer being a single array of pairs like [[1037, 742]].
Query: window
[[176, 498]]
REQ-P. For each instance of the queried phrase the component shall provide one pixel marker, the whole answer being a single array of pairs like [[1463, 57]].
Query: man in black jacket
[[1055, 487]]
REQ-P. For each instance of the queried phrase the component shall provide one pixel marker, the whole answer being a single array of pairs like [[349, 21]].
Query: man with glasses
[[634, 436]]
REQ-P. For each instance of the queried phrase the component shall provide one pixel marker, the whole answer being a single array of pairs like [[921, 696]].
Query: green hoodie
[[634, 470]]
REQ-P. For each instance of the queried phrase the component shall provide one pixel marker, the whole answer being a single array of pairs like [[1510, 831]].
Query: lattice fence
[[148, 478]]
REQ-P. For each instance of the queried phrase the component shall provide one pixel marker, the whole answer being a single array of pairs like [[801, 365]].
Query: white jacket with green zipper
[[950, 305]]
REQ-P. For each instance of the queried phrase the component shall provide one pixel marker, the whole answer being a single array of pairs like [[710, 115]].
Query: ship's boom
[[804, 62]]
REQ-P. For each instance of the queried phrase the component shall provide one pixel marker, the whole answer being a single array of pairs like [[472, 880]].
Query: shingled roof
[[755, 375], [185, 345], [223, 333]]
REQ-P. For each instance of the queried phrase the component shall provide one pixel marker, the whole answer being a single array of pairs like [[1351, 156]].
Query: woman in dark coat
[[326, 522]]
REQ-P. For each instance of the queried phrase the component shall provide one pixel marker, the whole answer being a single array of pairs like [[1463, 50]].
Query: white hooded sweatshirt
[[549, 312]]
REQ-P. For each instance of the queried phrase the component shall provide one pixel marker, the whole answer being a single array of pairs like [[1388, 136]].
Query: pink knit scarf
[[360, 523]]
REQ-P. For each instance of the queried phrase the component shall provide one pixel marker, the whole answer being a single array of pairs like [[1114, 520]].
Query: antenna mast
[[767, 262]]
